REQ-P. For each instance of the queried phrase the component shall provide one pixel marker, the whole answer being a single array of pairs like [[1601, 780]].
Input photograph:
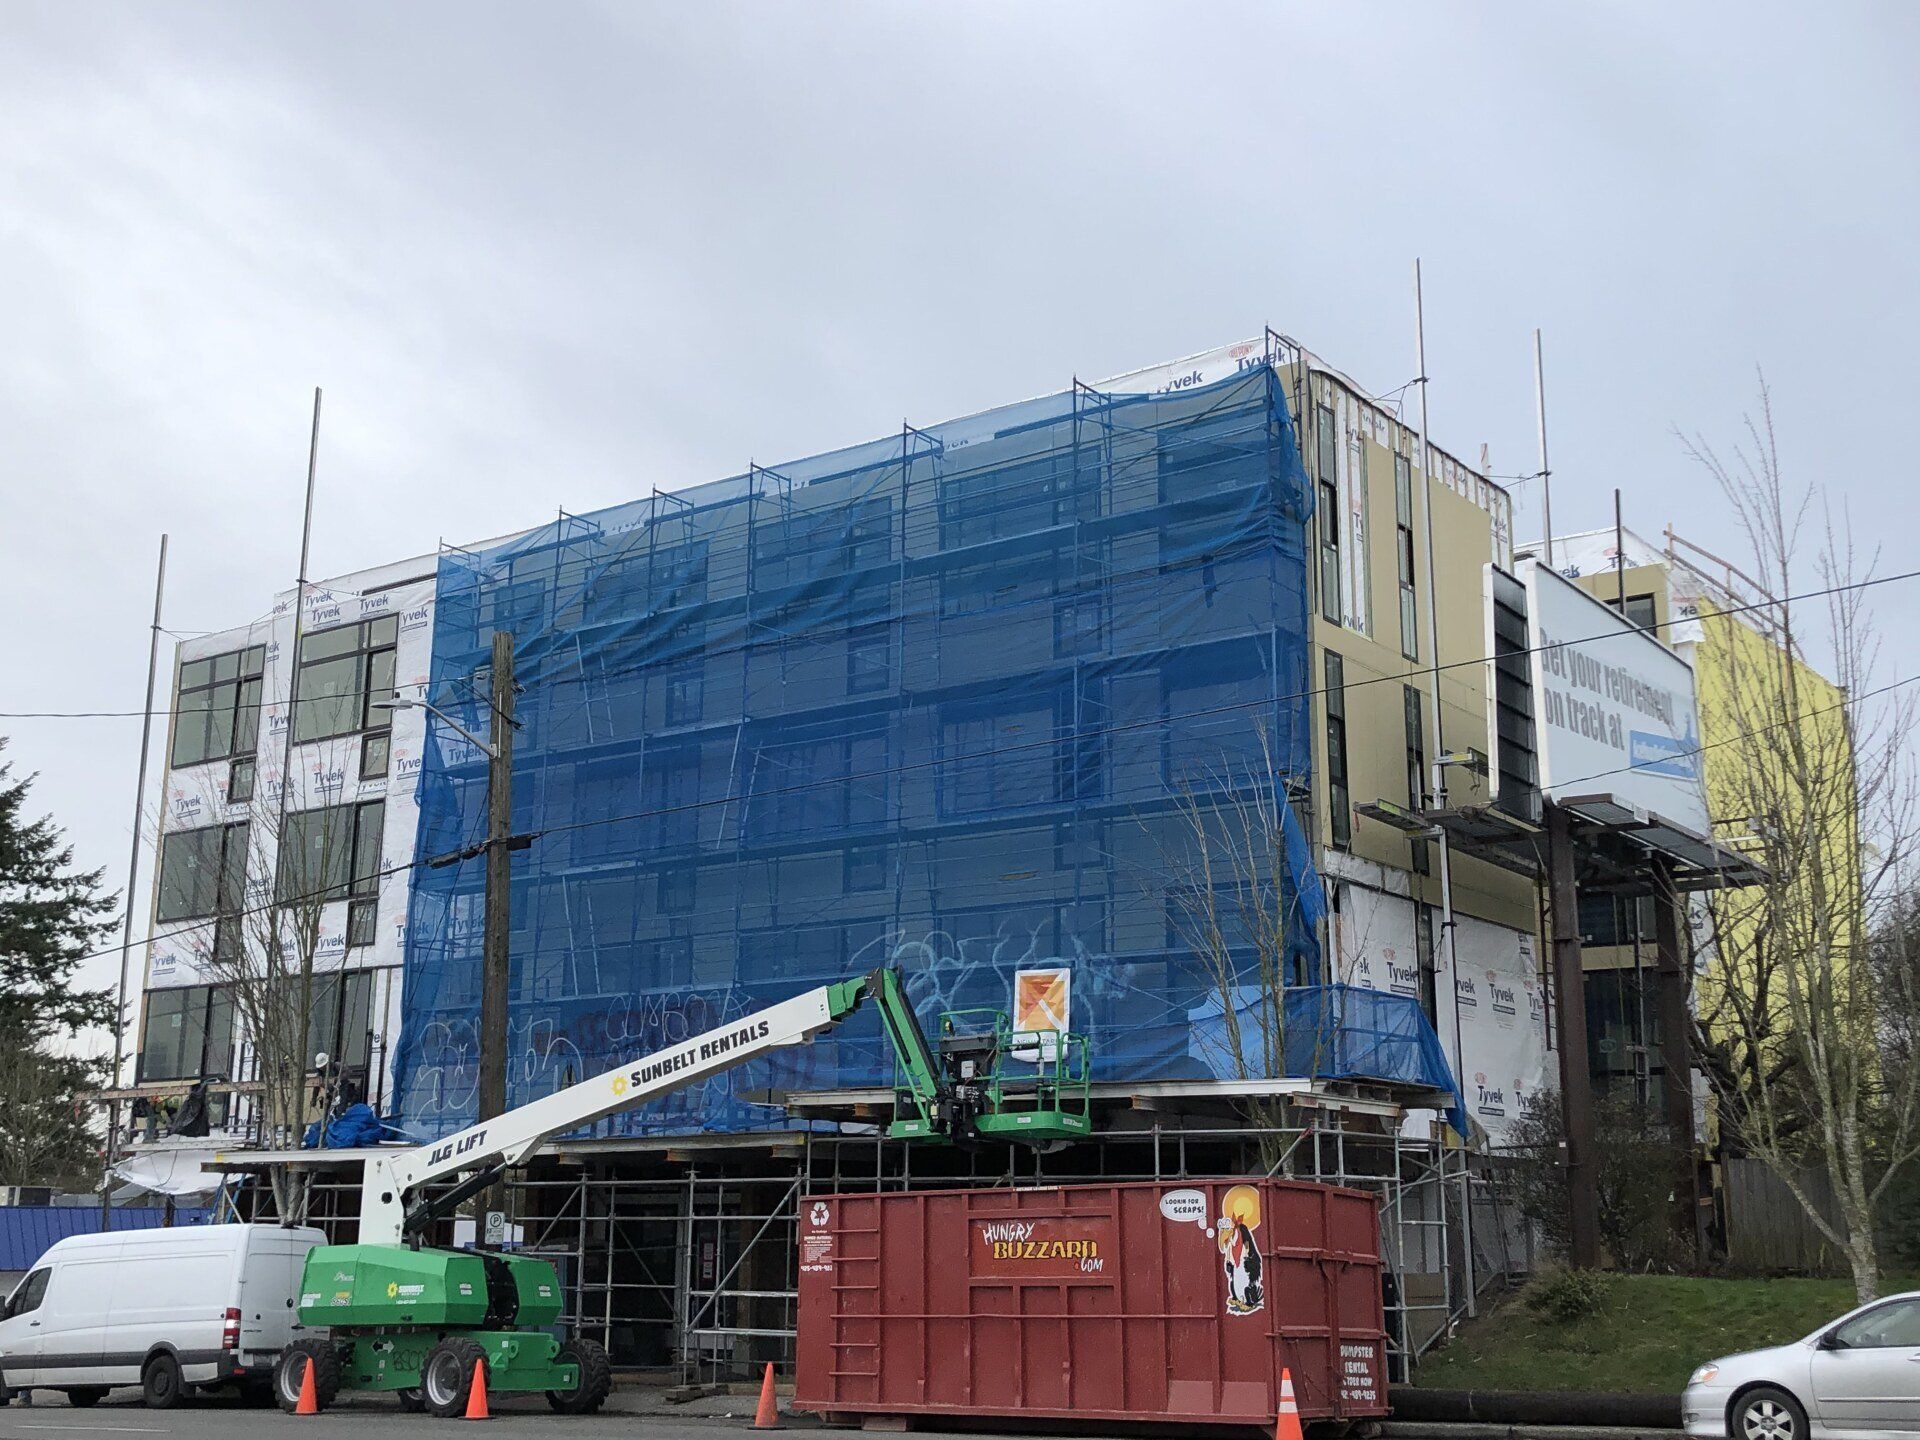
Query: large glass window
[[1638, 609], [1403, 554], [344, 673], [218, 710], [187, 1033], [1327, 511], [1339, 795], [203, 872], [339, 1025], [332, 853]]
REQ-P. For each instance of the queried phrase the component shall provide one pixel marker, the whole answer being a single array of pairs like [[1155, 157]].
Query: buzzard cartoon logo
[[1239, 1218]]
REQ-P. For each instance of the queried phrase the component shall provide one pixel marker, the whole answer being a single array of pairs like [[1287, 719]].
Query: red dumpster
[[1161, 1301]]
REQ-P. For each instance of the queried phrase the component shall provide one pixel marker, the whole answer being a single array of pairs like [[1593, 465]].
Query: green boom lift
[[417, 1321]]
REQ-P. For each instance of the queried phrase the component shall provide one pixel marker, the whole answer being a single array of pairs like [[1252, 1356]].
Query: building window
[[676, 890], [869, 663], [376, 752], [363, 919], [203, 872], [686, 693], [1638, 609], [1339, 797], [1616, 919], [218, 711], [339, 1025], [344, 674], [331, 853], [1416, 769], [1403, 554], [1326, 455], [865, 868], [240, 780], [186, 1033], [1077, 626]]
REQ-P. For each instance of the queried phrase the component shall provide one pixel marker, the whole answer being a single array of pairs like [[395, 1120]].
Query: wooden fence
[[1768, 1230]]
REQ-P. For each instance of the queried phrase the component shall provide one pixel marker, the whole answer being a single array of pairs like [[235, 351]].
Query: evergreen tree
[[51, 916]]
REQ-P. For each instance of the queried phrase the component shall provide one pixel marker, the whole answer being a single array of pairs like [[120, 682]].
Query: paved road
[[121, 1416], [114, 1419]]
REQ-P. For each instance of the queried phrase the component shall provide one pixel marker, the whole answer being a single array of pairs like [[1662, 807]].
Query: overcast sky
[[548, 256]]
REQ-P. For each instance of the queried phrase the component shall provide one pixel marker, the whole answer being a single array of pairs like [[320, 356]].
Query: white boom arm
[[390, 1180]]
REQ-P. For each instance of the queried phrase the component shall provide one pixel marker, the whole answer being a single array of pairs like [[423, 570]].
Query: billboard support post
[[1676, 1060], [1570, 1015]]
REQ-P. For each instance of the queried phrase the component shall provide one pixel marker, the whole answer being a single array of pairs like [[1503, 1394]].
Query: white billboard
[[1614, 709]]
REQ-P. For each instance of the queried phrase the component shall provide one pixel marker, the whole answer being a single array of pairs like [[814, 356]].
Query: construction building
[[979, 699]]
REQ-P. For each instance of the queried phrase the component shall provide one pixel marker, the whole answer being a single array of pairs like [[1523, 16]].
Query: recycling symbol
[[818, 1215]]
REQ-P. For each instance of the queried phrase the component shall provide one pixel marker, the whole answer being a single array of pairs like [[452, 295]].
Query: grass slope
[[1647, 1337]]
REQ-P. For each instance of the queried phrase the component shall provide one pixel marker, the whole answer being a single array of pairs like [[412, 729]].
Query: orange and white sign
[[1042, 1003]]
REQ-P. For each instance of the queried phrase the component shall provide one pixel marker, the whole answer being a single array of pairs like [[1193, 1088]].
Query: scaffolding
[[934, 701]]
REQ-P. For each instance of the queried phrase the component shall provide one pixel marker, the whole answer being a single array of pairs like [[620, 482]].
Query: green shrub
[[1570, 1295]]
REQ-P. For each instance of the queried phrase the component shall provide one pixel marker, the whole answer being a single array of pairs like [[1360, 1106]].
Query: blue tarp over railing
[[1344, 1032]]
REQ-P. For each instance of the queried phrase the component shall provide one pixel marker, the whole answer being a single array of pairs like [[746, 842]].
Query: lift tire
[[161, 1383], [596, 1378], [412, 1401], [447, 1376], [292, 1365], [83, 1396]]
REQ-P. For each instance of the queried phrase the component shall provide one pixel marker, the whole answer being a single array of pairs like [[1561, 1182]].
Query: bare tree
[[265, 951], [1232, 902], [1817, 772]]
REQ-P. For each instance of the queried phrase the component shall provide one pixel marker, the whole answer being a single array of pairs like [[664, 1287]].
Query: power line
[[1399, 677], [387, 872]]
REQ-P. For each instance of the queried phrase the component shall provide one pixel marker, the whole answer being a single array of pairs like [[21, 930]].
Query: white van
[[193, 1305]]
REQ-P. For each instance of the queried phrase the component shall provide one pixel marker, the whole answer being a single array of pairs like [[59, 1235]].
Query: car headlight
[[1704, 1375]]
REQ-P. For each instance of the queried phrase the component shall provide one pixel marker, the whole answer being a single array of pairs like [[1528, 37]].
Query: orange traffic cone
[[1287, 1427], [767, 1417], [477, 1393], [309, 1402]]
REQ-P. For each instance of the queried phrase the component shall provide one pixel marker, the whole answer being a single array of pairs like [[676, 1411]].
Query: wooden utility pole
[[494, 959], [1676, 1055], [1576, 1080]]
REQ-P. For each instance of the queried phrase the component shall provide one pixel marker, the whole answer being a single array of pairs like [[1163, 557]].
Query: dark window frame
[[210, 1009], [1339, 779], [1326, 442], [1404, 556], [1639, 610], [208, 677], [229, 885], [359, 880], [371, 646]]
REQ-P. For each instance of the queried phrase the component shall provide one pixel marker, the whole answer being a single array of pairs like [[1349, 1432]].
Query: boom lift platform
[[419, 1321]]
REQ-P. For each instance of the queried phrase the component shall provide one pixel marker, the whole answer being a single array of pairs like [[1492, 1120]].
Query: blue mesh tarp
[[937, 701], [1344, 1032]]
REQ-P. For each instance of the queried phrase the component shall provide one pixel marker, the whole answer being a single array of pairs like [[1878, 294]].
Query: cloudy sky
[[557, 255]]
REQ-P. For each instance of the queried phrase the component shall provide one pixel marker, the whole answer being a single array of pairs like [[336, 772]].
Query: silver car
[[1855, 1378]]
